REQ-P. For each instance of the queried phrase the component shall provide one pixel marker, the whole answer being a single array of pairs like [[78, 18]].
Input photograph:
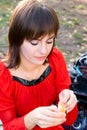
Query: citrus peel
[[61, 107]]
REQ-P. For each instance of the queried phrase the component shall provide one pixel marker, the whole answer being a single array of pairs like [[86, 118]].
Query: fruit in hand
[[61, 107]]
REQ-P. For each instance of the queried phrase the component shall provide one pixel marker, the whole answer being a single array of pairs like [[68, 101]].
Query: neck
[[28, 71], [27, 66]]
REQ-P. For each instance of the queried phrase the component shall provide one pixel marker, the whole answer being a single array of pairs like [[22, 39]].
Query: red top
[[17, 99]]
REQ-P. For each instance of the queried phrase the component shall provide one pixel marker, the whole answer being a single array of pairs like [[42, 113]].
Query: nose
[[43, 49]]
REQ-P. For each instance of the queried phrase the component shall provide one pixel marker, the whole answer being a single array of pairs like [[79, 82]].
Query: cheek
[[26, 51], [50, 48]]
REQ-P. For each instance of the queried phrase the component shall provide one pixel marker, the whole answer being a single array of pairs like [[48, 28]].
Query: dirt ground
[[73, 21], [72, 36]]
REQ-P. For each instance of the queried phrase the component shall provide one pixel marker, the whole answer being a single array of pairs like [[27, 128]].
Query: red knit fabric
[[16, 99]]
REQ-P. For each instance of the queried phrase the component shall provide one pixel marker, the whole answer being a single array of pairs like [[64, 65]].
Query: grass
[[6, 7], [4, 18], [78, 38], [71, 22], [1, 44], [80, 7]]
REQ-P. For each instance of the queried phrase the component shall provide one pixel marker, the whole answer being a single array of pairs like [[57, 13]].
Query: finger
[[71, 103], [64, 96], [48, 121], [51, 113]]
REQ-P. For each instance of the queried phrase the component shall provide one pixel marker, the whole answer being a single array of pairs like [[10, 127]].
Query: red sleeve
[[71, 116], [7, 105], [62, 79]]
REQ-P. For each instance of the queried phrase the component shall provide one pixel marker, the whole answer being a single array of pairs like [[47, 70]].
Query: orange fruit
[[61, 107]]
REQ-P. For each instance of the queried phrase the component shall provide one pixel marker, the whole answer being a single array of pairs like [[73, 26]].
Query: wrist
[[29, 121]]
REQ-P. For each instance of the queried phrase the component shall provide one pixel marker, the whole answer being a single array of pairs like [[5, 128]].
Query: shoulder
[[5, 82], [4, 73], [2, 67], [56, 52], [56, 57], [5, 88]]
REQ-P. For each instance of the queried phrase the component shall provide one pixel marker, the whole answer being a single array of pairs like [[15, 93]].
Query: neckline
[[35, 81]]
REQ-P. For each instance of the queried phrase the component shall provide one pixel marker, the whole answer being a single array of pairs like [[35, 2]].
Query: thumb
[[63, 96]]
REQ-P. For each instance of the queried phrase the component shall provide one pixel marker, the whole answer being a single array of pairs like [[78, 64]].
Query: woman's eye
[[34, 42], [50, 41]]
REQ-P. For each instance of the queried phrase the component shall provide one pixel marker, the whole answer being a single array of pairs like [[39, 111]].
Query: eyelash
[[38, 42], [50, 42], [34, 44]]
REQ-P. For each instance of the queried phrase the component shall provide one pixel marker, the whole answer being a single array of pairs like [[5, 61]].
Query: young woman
[[33, 76]]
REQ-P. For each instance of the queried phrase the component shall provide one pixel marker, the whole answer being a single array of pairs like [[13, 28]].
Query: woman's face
[[37, 50]]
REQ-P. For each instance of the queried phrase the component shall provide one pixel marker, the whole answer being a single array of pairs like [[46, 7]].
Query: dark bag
[[79, 87], [79, 80]]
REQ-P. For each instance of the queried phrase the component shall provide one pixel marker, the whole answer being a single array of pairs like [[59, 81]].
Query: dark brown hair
[[31, 19]]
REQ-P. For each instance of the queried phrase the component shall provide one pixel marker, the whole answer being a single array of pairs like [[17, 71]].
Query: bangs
[[31, 19], [41, 22]]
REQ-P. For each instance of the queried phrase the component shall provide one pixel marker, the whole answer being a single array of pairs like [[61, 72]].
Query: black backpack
[[79, 87], [79, 81]]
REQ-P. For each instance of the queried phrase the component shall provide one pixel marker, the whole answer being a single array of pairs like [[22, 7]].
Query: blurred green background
[[72, 36]]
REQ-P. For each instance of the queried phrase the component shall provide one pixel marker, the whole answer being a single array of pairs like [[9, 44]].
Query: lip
[[41, 57]]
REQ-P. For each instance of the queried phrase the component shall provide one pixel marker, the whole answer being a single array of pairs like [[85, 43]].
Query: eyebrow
[[53, 36]]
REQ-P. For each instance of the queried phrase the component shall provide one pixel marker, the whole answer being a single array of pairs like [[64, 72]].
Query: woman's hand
[[44, 117], [68, 98]]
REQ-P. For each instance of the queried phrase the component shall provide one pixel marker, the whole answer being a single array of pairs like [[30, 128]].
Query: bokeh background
[[72, 36]]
